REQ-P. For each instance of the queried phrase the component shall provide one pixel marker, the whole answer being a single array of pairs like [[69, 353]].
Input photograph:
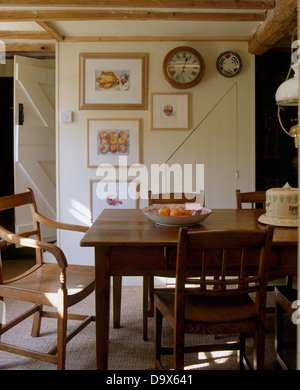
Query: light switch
[[66, 116]]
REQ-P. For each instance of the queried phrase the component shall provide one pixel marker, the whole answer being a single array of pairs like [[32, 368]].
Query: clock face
[[183, 67]]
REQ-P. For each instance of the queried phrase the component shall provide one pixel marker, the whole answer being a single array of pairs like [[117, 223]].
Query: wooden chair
[[148, 281], [256, 199], [284, 297], [216, 306], [253, 198], [51, 284]]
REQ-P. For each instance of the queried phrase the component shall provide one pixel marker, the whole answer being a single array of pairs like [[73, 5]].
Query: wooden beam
[[278, 24], [192, 4], [30, 47], [72, 15], [53, 31], [164, 38], [13, 34], [43, 35]]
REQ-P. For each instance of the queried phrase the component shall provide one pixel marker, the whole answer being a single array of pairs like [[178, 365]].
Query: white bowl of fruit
[[176, 214]]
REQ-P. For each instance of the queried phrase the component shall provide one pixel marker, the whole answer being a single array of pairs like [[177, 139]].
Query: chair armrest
[[3, 244], [60, 225], [17, 239]]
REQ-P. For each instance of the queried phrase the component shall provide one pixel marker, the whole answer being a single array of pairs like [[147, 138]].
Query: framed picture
[[110, 139], [169, 111], [113, 81], [106, 194]]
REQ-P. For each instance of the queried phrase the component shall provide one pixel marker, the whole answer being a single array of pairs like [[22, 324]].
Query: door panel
[[34, 138], [214, 144]]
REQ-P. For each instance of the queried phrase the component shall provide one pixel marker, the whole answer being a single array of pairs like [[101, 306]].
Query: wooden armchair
[[58, 285], [253, 198], [148, 281], [217, 305]]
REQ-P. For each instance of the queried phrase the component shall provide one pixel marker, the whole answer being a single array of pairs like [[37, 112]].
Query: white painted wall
[[73, 176]]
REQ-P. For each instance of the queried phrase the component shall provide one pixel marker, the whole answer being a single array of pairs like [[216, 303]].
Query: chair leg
[[1, 302], [178, 348], [281, 363], [241, 351], [157, 337], [36, 325], [145, 307], [278, 330], [62, 315], [148, 293], [259, 349]]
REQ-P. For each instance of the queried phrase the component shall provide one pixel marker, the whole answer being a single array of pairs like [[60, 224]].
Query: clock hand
[[184, 64], [181, 74]]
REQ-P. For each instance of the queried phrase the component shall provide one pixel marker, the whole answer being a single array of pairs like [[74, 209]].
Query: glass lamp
[[287, 95]]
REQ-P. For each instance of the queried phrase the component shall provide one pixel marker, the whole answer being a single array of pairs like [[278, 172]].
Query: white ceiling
[[155, 28]]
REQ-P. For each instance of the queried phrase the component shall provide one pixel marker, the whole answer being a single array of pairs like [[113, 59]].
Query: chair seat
[[208, 309], [44, 280]]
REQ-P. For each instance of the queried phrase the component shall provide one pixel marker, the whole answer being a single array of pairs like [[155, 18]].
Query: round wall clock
[[183, 67]]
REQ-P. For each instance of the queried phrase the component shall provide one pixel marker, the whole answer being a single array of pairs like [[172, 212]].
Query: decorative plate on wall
[[229, 64]]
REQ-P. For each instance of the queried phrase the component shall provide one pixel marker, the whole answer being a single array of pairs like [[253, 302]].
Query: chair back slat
[[255, 199], [12, 201], [242, 284], [223, 269], [25, 199], [28, 234], [169, 198], [197, 245]]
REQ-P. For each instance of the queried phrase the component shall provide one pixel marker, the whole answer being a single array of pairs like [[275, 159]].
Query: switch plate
[[66, 116]]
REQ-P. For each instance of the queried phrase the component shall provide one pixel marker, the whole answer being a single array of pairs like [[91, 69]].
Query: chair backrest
[[225, 262], [25, 199], [169, 198], [255, 199]]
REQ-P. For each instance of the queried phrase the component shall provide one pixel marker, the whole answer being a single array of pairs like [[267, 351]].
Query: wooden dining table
[[127, 243]]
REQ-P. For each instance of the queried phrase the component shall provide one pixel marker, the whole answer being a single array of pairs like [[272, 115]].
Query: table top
[[133, 228]]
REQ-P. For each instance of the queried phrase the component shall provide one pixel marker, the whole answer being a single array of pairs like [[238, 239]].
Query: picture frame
[[113, 81], [169, 111], [110, 139], [119, 199]]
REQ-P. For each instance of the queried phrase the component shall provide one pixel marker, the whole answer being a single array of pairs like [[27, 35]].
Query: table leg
[[102, 296], [117, 290]]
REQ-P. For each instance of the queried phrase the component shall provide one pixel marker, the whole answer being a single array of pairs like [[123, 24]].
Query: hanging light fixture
[[287, 94]]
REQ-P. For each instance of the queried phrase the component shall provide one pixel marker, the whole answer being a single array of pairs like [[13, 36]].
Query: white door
[[34, 136]]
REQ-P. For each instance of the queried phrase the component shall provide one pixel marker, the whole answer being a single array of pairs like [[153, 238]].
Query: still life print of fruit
[[113, 142], [112, 80]]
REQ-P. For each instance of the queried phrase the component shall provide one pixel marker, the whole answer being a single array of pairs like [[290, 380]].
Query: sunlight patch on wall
[[80, 212]]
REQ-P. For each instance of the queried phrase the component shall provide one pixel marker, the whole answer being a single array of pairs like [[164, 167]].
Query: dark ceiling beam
[[278, 24]]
